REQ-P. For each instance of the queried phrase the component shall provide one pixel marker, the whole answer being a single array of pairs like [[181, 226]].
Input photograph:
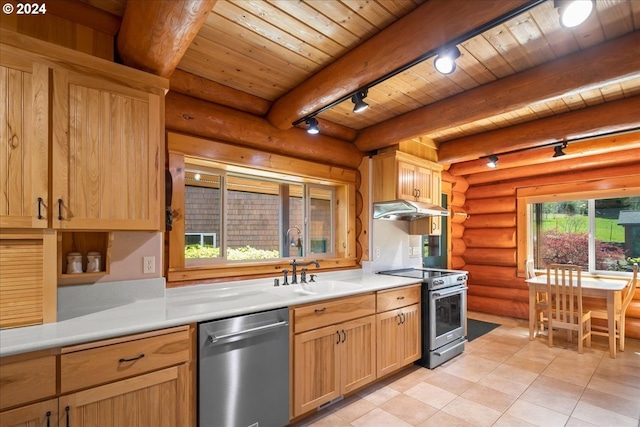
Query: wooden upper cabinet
[[24, 132], [107, 155], [100, 126], [397, 175]]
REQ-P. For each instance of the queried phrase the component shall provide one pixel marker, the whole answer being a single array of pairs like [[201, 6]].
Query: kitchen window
[[233, 217], [599, 235]]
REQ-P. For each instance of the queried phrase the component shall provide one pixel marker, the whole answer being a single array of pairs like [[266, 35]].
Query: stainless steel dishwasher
[[243, 371]]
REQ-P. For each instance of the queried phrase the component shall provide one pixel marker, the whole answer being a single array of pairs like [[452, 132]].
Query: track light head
[[313, 126], [573, 12], [445, 62], [557, 150], [358, 104], [493, 161]]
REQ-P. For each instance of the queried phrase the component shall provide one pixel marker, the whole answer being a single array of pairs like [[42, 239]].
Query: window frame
[[185, 149]]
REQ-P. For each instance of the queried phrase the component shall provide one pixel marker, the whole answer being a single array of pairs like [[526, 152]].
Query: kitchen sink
[[320, 287]]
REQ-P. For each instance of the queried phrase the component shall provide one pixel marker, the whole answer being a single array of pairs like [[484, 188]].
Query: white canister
[[94, 263], [74, 262]]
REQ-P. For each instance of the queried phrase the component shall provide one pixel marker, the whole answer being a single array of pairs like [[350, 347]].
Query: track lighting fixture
[[573, 12], [358, 104], [445, 62], [313, 126], [493, 161], [557, 150]]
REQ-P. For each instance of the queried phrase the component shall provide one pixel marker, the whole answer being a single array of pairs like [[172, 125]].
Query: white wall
[[127, 252], [392, 239]]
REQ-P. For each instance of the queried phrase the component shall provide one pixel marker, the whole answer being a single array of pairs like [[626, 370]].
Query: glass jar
[[94, 263], [74, 263]]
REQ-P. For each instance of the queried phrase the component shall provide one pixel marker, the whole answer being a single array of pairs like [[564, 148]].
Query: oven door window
[[448, 314]]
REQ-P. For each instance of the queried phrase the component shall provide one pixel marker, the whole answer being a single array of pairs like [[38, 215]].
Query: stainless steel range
[[444, 312]]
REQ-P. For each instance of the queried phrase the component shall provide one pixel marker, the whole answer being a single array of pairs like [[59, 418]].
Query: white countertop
[[186, 305]]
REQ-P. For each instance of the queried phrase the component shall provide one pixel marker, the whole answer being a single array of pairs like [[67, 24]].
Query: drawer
[[106, 363], [333, 311], [26, 378], [398, 297]]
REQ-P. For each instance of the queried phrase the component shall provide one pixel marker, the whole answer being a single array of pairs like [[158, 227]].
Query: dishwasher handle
[[212, 338]]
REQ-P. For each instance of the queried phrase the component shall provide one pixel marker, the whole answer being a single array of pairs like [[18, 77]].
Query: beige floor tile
[[507, 420], [558, 387], [489, 397], [505, 385], [471, 367], [449, 382], [431, 395], [536, 414], [379, 418], [571, 372], [326, 420], [442, 419], [409, 409], [410, 379], [527, 364], [354, 410], [550, 399], [515, 374], [602, 417], [574, 422], [611, 385], [472, 412], [621, 405], [378, 397]]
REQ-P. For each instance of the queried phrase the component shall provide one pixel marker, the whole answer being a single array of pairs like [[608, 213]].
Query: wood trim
[[85, 14]]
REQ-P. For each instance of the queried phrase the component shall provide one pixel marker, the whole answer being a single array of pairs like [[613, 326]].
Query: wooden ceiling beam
[[154, 35], [599, 66], [199, 87], [197, 117], [611, 117], [429, 27], [542, 156]]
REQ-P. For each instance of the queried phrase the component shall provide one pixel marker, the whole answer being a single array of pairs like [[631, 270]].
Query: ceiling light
[[358, 104], [313, 126], [573, 12], [197, 177], [557, 150], [445, 62], [493, 161]]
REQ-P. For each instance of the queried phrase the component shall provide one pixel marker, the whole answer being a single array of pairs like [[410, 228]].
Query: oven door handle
[[454, 291], [439, 354]]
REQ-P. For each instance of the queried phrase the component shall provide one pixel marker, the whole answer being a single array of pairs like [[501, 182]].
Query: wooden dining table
[[607, 289]]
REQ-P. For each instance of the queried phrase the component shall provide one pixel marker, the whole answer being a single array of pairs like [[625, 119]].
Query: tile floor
[[503, 379]]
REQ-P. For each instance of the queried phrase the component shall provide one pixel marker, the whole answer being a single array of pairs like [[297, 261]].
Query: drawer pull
[[320, 311], [400, 298], [133, 359]]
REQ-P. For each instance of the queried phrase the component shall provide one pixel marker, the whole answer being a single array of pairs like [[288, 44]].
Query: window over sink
[[239, 212], [240, 217]]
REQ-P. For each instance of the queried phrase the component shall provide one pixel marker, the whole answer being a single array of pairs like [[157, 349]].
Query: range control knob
[[438, 282]]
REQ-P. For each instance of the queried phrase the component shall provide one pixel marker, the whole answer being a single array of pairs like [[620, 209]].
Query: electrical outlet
[[148, 265], [377, 253]]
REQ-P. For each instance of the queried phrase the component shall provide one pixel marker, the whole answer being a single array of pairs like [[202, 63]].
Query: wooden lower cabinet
[[332, 361], [154, 399], [41, 414], [398, 338]]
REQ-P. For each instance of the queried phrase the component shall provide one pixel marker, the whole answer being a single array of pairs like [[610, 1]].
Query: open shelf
[[84, 242]]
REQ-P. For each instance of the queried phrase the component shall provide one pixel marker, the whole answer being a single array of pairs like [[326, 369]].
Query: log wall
[[485, 244]]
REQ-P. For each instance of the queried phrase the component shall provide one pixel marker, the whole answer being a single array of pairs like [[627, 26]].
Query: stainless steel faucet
[[295, 265]]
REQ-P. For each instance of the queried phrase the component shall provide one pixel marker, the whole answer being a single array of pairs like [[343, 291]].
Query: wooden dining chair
[[600, 311], [541, 302], [565, 311]]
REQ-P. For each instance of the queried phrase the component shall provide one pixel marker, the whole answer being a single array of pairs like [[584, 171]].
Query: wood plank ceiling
[[268, 49]]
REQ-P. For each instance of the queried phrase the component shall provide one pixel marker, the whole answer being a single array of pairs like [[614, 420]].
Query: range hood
[[406, 210]]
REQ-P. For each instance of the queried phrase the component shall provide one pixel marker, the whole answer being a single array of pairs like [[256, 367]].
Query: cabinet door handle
[[320, 311], [40, 200], [133, 359], [66, 409], [399, 319], [417, 192], [403, 318], [338, 333], [59, 209], [48, 414], [344, 336]]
